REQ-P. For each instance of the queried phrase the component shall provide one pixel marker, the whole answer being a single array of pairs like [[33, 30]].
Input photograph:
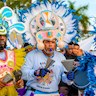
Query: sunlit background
[[91, 9]]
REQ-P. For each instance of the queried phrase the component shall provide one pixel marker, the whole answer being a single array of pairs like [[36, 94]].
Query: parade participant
[[42, 78], [10, 61], [87, 62], [46, 27], [64, 89], [69, 54]]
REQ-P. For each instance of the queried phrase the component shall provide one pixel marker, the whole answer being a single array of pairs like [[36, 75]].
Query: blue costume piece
[[88, 63], [42, 73], [70, 75]]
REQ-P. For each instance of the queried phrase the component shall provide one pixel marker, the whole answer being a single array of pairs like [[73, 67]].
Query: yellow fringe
[[19, 57], [8, 91]]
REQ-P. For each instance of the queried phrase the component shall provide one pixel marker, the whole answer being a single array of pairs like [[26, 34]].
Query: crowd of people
[[31, 75]]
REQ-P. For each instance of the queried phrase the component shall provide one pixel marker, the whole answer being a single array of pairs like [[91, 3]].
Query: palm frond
[[84, 20]]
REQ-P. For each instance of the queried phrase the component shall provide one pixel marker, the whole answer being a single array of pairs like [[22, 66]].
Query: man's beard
[[2, 46]]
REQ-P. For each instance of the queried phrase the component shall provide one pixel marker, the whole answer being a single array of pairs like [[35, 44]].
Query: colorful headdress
[[9, 25], [46, 20]]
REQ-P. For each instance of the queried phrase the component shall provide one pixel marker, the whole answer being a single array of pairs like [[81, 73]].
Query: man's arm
[[27, 68], [2, 85]]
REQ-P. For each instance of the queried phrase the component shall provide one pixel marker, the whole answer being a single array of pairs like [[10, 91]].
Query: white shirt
[[2, 55], [37, 59]]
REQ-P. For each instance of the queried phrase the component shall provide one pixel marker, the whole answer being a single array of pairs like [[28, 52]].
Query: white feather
[[30, 38], [61, 11], [49, 7], [67, 37], [95, 70]]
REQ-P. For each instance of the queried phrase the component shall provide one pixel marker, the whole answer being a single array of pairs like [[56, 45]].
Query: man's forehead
[[50, 40], [70, 45], [3, 35]]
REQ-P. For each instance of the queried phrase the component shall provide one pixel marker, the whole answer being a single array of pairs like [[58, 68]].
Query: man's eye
[[53, 42]]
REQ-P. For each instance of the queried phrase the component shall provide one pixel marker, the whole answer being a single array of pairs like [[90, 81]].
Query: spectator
[[69, 51], [64, 89]]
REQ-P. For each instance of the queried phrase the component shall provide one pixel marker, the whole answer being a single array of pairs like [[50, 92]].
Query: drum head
[[81, 79]]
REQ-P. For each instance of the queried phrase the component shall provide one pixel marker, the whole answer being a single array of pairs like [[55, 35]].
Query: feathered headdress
[[11, 27], [46, 20]]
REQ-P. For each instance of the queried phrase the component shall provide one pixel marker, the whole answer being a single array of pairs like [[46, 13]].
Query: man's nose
[[1, 37], [50, 43]]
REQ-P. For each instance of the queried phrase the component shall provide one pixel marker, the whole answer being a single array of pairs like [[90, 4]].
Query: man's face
[[70, 48], [50, 46], [2, 41], [76, 49], [64, 90]]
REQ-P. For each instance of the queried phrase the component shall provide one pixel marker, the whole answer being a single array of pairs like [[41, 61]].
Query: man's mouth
[[50, 50], [1, 47], [2, 42]]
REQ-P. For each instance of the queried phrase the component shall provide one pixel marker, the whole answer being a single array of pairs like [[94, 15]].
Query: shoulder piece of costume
[[13, 61], [46, 20], [19, 58], [10, 26]]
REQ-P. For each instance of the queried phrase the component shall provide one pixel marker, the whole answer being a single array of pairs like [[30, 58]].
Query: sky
[[91, 12]]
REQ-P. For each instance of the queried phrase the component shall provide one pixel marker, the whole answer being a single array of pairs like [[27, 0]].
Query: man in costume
[[10, 60], [45, 23], [46, 28]]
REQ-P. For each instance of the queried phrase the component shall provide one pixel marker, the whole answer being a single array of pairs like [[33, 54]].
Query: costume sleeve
[[27, 68], [84, 60]]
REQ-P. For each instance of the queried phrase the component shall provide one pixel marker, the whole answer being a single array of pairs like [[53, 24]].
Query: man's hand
[[41, 72], [70, 75], [76, 63], [2, 85], [20, 83]]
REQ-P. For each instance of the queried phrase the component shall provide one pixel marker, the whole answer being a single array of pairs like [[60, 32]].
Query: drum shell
[[80, 79]]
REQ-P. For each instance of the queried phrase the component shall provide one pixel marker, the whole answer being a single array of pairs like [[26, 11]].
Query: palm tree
[[84, 20], [16, 3], [1, 4]]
